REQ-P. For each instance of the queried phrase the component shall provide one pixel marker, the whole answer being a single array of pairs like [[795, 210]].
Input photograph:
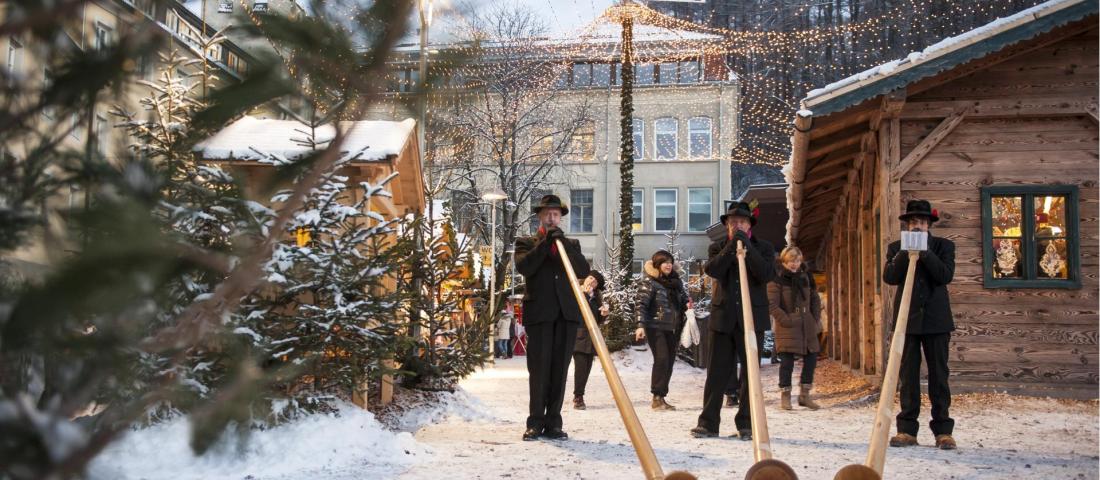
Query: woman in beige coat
[[796, 307]]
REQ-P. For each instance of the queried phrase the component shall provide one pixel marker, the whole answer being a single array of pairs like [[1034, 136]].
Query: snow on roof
[[246, 138], [940, 49]]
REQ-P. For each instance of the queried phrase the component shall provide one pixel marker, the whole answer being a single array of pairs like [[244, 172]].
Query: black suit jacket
[[548, 293], [725, 306], [930, 307]]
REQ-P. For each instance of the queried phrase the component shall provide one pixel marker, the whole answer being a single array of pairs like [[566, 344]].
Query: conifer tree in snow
[[621, 293]]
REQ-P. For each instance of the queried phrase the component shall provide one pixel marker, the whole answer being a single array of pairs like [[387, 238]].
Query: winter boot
[[945, 442], [785, 398], [804, 397], [578, 403], [731, 401], [659, 403], [903, 440]]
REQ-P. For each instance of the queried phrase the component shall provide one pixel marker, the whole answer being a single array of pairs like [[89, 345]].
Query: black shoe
[[745, 434], [531, 434], [701, 432], [578, 402], [731, 401], [555, 434]]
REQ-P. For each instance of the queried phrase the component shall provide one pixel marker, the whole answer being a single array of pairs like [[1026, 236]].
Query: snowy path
[[1018, 438]]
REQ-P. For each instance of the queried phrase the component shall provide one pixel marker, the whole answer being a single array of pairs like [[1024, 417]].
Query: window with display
[[1030, 237]]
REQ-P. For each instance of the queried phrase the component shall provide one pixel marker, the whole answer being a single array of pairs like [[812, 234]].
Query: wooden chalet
[[998, 129]]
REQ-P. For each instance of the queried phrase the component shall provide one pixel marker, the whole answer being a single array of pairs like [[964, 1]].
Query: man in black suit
[[727, 327], [550, 315], [929, 328]]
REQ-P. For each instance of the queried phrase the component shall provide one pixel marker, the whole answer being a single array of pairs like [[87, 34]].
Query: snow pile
[[437, 407], [251, 138], [350, 444], [946, 45]]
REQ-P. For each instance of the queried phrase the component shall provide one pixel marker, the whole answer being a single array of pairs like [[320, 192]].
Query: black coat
[[725, 306], [662, 302], [930, 307], [796, 308], [548, 293], [584, 341]]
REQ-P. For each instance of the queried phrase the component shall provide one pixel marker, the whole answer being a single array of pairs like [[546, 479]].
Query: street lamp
[[492, 197]]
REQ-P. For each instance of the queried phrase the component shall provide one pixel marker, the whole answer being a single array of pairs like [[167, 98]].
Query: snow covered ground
[[999, 437], [475, 433]]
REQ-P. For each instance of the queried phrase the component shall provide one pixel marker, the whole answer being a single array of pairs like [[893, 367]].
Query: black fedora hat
[[740, 209], [551, 201], [920, 208]]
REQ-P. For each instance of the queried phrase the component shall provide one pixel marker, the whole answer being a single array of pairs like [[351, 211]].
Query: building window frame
[[657, 204], [102, 36], [692, 205], [698, 126], [639, 138], [580, 211], [1031, 276], [658, 132], [638, 206]]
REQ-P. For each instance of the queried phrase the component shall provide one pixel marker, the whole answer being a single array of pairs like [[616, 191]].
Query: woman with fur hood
[[663, 304], [794, 304]]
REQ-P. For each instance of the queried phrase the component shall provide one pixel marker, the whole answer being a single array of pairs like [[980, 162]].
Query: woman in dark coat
[[664, 301], [796, 307], [583, 351]]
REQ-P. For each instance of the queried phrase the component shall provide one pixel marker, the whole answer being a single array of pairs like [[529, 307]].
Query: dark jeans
[[935, 353], [726, 351], [549, 348], [582, 366], [663, 345], [501, 349], [786, 368]]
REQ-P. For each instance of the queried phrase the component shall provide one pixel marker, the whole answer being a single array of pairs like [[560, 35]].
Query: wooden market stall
[[998, 129]]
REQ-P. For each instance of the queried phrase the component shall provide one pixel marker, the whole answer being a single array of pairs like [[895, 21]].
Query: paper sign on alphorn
[[914, 241]]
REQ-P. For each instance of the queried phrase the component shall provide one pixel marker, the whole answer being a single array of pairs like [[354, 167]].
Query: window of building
[[1031, 237], [689, 71], [665, 138], [699, 209], [102, 133], [582, 74], [536, 196], [664, 209], [47, 82], [699, 136], [463, 209], [102, 36], [260, 6], [580, 211], [644, 74], [564, 74], [639, 138], [636, 267], [15, 59], [637, 209], [225, 6], [584, 142], [601, 74], [667, 73]]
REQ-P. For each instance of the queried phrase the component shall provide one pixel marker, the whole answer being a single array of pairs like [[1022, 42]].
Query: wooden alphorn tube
[[650, 466]]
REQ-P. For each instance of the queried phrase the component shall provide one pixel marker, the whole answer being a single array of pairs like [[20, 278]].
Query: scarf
[[553, 246]]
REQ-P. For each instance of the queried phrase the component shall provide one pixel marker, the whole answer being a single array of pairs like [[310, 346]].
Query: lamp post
[[492, 198], [425, 8]]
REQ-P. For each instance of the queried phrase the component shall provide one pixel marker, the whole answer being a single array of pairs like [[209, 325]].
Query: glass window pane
[[1050, 237], [644, 74], [637, 209], [601, 74], [1050, 216], [668, 72], [665, 129], [1007, 216], [665, 196], [1052, 259], [639, 139], [689, 71], [580, 211], [582, 75], [1007, 262], [564, 73]]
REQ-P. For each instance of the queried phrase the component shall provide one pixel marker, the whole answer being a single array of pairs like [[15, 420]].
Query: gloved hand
[[555, 233], [742, 236]]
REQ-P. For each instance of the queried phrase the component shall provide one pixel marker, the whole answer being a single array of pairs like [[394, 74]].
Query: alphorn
[[766, 467], [650, 466], [873, 467]]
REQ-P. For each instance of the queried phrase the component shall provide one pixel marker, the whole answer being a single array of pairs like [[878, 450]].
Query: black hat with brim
[[739, 209], [551, 201], [919, 208]]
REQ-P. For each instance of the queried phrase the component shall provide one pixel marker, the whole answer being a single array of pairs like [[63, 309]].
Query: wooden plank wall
[[1029, 341]]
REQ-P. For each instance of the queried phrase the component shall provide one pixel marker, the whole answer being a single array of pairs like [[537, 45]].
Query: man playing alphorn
[[551, 316], [929, 328], [726, 323]]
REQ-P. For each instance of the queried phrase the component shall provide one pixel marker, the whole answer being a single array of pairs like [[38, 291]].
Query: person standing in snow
[[551, 316], [929, 328], [584, 351], [726, 323], [504, 331], [796, 307], [663, 303]]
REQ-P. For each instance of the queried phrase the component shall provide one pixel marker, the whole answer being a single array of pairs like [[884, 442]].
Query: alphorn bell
[[872, 468], [766, 467], [638, 439]]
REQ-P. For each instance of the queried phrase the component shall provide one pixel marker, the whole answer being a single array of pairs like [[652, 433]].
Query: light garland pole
[[626, 153]]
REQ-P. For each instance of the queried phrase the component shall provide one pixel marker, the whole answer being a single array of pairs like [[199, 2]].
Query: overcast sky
[[562, 16]]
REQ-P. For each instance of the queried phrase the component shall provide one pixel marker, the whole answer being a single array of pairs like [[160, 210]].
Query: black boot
[[731, 401], [578, 403]]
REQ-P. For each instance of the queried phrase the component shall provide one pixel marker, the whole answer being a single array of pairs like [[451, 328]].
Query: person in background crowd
[[796, 307], [584, 352], [663, 303]]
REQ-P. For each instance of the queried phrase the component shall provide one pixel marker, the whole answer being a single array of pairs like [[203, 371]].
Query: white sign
[[914, 241], [225, 6]]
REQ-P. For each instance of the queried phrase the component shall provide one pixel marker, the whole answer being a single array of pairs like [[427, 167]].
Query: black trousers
[[582, 366], [786, 368], [549, 348], [663, 345], [935, 353], [734, 384], [726, 351]]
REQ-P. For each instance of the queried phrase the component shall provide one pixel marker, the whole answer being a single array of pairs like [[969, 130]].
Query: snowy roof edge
[[946, 54]]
